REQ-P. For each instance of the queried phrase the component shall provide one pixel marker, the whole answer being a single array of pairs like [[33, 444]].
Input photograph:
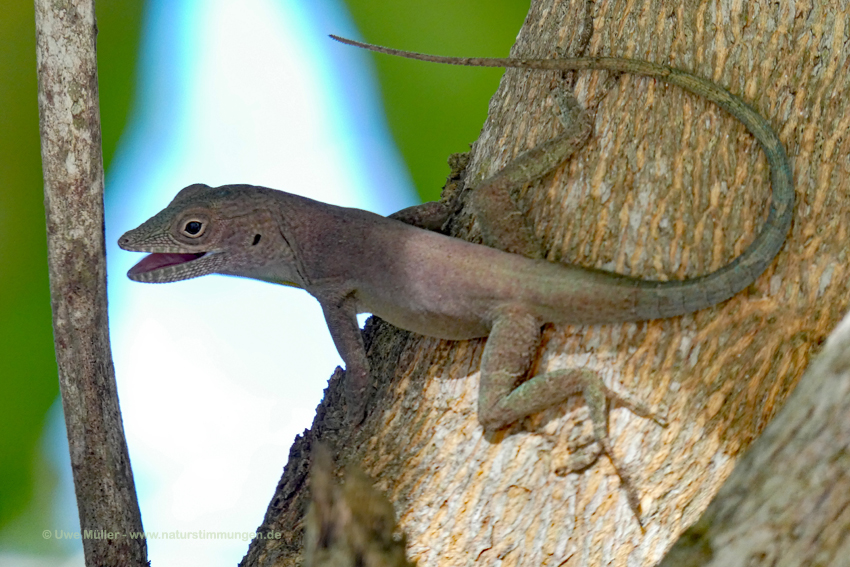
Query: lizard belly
[[451, 289], [441, 318], [442, 287]]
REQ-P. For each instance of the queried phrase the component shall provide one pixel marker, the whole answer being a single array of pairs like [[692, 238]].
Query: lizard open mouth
[[156, 261]]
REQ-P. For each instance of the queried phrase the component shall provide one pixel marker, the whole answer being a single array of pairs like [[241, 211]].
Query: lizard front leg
[[341, 318], [504, 399], [428, 216], [434, 214]]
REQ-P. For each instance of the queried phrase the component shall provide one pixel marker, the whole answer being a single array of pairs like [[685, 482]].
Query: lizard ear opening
[[256, 240]]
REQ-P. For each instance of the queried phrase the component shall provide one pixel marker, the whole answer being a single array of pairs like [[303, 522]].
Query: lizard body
[[355, 261]]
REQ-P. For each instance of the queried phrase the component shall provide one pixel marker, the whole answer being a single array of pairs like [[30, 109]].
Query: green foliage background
[[432, 111], [435, 110]]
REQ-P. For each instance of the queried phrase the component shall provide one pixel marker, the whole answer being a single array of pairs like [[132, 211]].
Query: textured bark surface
[[352, 524], [73, 195], [787, 502], [667, 187]]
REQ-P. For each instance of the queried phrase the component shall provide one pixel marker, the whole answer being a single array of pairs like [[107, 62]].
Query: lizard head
[[206, 230]]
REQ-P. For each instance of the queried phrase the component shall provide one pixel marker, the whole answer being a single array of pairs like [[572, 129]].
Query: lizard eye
[[193, 228]]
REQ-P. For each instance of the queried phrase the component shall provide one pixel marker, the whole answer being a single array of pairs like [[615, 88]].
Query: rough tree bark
[[669, 186], [73, 195], [787, 502]]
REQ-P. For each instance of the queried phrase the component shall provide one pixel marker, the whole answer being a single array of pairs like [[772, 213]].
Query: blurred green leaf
[[435, 110]]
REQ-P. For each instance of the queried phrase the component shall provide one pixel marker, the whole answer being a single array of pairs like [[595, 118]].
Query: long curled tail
[[658, 299]]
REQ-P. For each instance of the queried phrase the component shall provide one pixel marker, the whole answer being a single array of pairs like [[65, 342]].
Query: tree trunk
[[668, 186], [787, 502], [73, 197]]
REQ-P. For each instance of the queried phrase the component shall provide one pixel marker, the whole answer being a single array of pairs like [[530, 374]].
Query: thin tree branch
[[73, 194]]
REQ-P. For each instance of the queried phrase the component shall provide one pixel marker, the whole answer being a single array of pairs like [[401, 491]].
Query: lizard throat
[[157, 261]]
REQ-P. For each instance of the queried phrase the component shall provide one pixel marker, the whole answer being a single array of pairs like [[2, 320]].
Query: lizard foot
[[497, 410]]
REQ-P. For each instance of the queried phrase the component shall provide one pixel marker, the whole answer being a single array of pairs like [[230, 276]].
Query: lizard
[[402, 269]]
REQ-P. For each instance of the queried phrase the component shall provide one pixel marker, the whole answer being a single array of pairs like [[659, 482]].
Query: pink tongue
[[155, 261]]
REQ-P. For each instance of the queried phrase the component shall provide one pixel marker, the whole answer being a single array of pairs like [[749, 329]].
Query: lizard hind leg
[[503, 400], [503, 225]]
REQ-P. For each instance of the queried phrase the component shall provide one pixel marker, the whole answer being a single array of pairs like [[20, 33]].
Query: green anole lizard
[[354, 261]]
